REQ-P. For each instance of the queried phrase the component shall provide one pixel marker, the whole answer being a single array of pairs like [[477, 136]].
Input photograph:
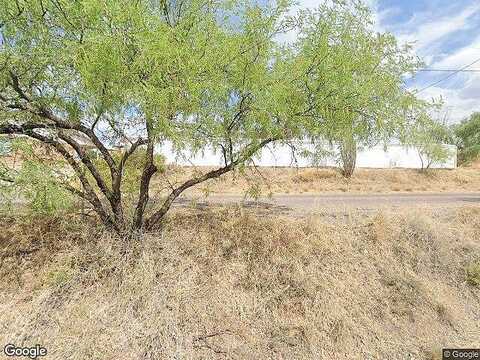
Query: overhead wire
[[448, 76]]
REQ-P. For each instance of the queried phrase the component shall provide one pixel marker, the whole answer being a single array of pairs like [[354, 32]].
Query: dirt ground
[[231, 283], [267, 181], [303, 204], [383, 266]]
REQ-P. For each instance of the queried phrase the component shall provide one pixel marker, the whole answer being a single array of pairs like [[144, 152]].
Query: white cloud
[[461, 92], [459, 103], [424, 33], [461, 57]]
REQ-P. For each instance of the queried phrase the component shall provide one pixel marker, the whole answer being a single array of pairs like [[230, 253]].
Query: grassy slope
[[229, 284], [324, 180]]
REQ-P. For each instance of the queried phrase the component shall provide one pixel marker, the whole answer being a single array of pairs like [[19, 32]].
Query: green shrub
[[467, 138], [41, 189], [36, 184], [473, 274]]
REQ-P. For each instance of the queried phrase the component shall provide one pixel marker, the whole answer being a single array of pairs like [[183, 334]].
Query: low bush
[[473, 274]]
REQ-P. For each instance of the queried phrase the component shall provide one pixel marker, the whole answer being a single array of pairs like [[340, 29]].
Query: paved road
[[340, 201]]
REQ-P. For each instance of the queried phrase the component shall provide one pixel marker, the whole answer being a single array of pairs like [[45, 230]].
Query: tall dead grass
[[230, 284], [321, 180]]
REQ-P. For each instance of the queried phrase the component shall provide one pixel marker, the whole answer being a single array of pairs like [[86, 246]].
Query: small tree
[[467, 138], [77, 75], [432, 153], [364, 106], [425, 134]]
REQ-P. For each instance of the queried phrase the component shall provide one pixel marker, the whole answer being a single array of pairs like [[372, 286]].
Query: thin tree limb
[[247, 153]]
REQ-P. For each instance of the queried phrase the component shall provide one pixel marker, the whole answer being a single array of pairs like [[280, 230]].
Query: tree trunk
[[348, 154], [106, 199]]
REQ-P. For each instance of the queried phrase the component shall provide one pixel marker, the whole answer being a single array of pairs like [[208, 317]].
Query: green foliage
[[132, 171], [254, 191], [40, 187], [429, 137], [35, 182], [467, 138], [433, 153], [473, 274], [354, 78], [198, 74], [182, 67]]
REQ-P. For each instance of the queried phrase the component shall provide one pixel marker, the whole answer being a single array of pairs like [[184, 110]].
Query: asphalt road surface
[[307, 202]]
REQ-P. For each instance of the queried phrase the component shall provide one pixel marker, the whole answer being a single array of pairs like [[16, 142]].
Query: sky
[[446, 35]]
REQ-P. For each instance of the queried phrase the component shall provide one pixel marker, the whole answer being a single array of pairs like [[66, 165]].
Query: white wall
[[395, 156]]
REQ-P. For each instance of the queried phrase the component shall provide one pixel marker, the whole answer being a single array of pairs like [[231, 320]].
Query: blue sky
[[446, 35]]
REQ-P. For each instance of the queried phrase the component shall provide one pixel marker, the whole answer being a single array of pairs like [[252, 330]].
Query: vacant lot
[[327, 180], [235, 284]]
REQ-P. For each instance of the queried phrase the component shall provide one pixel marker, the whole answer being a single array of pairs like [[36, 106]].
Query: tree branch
[[148, 171], [48, 114], [89, 195], [88, 163], [247, 154], [129, 152]]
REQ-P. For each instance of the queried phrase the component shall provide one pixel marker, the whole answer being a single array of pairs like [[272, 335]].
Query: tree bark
[[348, 154], [149, 170]]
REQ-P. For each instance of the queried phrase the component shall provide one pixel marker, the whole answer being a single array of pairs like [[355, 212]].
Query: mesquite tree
[[424, 133], [196, 73], [361, 104], [466, 135], [77, 75]]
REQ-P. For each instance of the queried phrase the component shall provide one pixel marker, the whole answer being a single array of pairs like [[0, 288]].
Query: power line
[[448, 76], [451, 70]]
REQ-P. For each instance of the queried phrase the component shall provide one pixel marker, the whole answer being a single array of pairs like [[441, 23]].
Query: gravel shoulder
[[309, 202]]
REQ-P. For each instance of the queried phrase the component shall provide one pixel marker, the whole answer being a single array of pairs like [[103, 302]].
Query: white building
[[393, 156]]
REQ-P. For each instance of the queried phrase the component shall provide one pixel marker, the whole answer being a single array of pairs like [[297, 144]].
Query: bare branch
[[244, 156], [48, 114], [20, 128], [89, 193], [148, 171], [129, 152], [88, 163]]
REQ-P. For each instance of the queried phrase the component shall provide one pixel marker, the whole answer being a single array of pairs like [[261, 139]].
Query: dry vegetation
[[327, 180], [229, 284]]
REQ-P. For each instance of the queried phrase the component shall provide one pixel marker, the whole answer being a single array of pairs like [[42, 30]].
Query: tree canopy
[[198, 74], [467, 138], [353, 80]]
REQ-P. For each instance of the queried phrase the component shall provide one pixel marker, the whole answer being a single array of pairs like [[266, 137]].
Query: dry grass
[[228, 284], [322, 180]]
